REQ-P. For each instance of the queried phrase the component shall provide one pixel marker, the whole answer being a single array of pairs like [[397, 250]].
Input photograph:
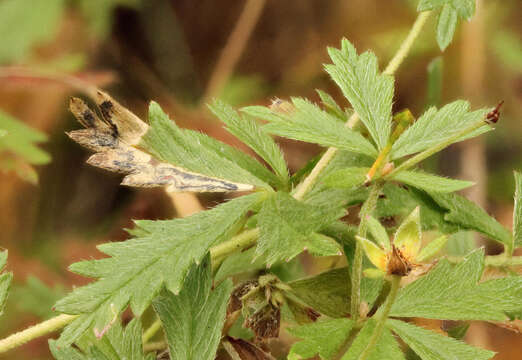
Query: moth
[[115, 138]]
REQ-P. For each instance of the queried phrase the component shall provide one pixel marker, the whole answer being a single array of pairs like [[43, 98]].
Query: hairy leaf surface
[[288, 227], [429, 182], [324, 338], [193, 320], [432, 346], [452, 292], [369, 92], [436, 126], [5, 281], [138, 268]]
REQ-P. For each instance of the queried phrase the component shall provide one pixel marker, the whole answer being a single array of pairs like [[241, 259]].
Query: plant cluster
[[183, 268]]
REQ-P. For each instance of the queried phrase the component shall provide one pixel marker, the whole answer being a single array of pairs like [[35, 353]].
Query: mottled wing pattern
[[113, 138]]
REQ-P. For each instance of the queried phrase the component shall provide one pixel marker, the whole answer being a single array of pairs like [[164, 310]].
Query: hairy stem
[[248, 237], [381, 317], [356, 274], [35, 331]]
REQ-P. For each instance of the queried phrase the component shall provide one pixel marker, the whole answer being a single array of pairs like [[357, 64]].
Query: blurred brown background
[[172, 51]]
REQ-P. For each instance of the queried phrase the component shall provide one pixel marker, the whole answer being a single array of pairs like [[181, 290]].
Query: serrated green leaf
[[436, 126], [250, 132], [307, 122], [517, 212], [386, 346], [324, 338], [446, 26], [347, 178], [138, 268], [453, 293], [171, 144], [193, 320], [430, 182], [435, 78], [25, 24], [288, 227], [432, 346], [21, 139], [369, 92], [331, 106], [117, 344], [329, 291], [467, 215]]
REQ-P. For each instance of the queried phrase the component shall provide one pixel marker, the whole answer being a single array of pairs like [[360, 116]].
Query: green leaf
[[467, 215], [464, 8], [435, 77], [453, 293], [329, 291], [385, 348], [429, 182], [369, 92], [289, 227], [347, 178], [323, 337], [171, 144], [307, 122], [517, 212], [432, 346], [249, 131], [331, 106], [138, 268], [436, 126], [21, 139], [117, 344], [5, 281], [193, 320], [446, 26], [374, 253], [407, 238], [25, 24]]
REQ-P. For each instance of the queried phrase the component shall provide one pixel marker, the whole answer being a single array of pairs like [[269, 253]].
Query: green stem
[[356, 275], [434, 149], [151, 331], [406, 45], [35, 331], [381, 317], [241, 241]]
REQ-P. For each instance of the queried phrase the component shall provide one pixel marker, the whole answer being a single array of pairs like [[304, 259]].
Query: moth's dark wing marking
[[113, 137]]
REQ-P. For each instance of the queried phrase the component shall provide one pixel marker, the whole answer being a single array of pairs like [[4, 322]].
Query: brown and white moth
[[114, 138]]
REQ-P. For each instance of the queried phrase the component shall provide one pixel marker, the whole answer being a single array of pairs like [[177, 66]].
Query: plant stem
[[248, 237], [366, 210], [392, 66], [406, 45], [241, 241], [35, 331], [155, 346], [435, 149], [381, 317], [151, 331]]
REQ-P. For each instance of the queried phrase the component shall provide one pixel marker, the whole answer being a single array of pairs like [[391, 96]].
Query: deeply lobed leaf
[[138, 268], [193, 320], [436, 126], [369, 92]]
